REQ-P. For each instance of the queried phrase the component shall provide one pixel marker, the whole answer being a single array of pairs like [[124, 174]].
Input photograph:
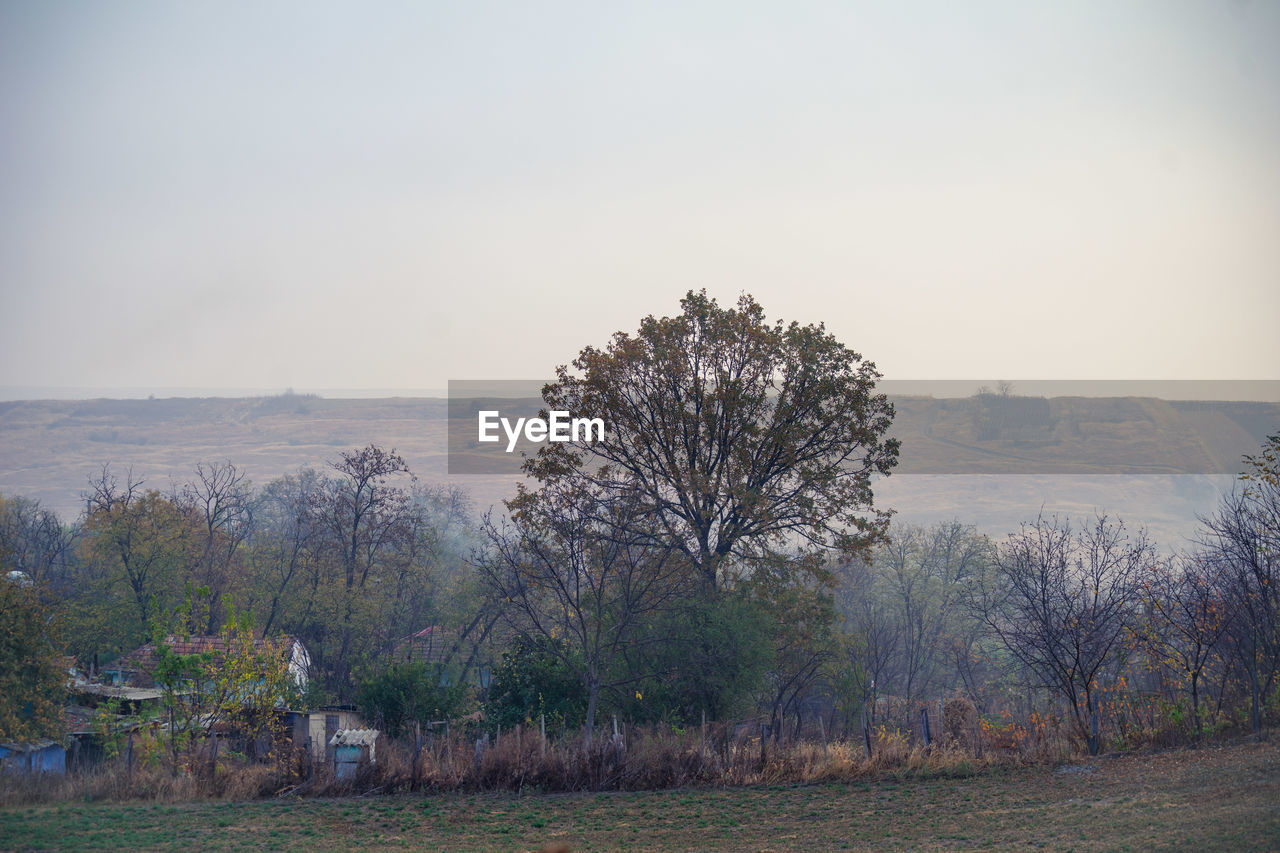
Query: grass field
[[1214, 798]]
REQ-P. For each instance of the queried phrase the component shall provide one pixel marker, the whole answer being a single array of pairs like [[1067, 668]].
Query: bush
[[533, 681], [404, 693], [713, 656]]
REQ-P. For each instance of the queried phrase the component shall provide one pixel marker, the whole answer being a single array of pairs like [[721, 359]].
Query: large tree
[[367, 535], [137, 546], [742, 437]]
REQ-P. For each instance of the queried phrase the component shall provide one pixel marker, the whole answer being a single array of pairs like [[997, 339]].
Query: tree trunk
[[1255, 712], [1195, 701], [593, 694], [1093, 723]]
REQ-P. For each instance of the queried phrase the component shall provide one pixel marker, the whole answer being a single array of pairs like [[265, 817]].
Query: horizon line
[[1223, 390]]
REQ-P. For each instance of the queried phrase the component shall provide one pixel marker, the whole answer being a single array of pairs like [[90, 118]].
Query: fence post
[[924, 727], [619, 742], [417, 751], [213, 754]]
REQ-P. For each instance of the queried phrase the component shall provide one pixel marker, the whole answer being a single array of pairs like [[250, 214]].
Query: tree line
[[718, 557]]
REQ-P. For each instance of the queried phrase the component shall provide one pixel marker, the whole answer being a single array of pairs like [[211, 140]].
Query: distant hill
[[991, 460], [994, 434]]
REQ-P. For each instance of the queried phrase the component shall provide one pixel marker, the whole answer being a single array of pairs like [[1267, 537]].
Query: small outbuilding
[[40, 756], [350, 748], [314, 729]]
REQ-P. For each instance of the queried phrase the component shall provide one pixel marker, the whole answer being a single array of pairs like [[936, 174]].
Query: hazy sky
[[391, 195]]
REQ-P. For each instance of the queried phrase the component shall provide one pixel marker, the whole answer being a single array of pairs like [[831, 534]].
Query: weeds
[[649, 759]]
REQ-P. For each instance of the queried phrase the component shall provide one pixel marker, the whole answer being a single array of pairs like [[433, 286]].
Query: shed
[[350, 747], [316, 728], [41, 756]]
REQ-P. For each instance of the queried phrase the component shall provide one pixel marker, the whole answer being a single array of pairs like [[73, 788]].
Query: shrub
[[533, 681], [404, 693]]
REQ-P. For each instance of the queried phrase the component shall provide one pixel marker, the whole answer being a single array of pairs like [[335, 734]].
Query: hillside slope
[[987, 460]]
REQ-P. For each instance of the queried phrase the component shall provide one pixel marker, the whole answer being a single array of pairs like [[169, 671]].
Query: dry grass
[[1221, 797], [159, 781], [519, 762]]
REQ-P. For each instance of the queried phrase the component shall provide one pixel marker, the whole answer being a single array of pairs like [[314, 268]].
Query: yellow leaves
[[31, 673]]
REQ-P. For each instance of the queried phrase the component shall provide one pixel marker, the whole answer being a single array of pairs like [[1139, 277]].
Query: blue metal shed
[[41, 756]]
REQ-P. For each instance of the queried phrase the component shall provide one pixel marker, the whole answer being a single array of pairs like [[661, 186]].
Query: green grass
[[1225, 798]]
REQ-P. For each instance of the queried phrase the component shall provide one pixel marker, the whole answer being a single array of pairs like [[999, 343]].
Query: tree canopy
[[32, 670], [741, 435]]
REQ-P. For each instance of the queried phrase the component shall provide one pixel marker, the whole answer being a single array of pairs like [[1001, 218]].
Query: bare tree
[[1243, 541], [367, 531], [1062, 601], [366, 515], [904, 606], [576, 569], [925, 571], [1184, 600], [283, 542], [871, 621], [106, 492], [32, 539], [220, 499]]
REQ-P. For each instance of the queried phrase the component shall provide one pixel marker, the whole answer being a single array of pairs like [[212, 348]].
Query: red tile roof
[[430, 645], [143, 660]]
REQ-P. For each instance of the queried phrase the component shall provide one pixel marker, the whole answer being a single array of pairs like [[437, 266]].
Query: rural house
[[138, 668]]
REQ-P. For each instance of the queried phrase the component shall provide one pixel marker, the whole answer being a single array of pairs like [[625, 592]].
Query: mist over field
[[1153, 462]]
